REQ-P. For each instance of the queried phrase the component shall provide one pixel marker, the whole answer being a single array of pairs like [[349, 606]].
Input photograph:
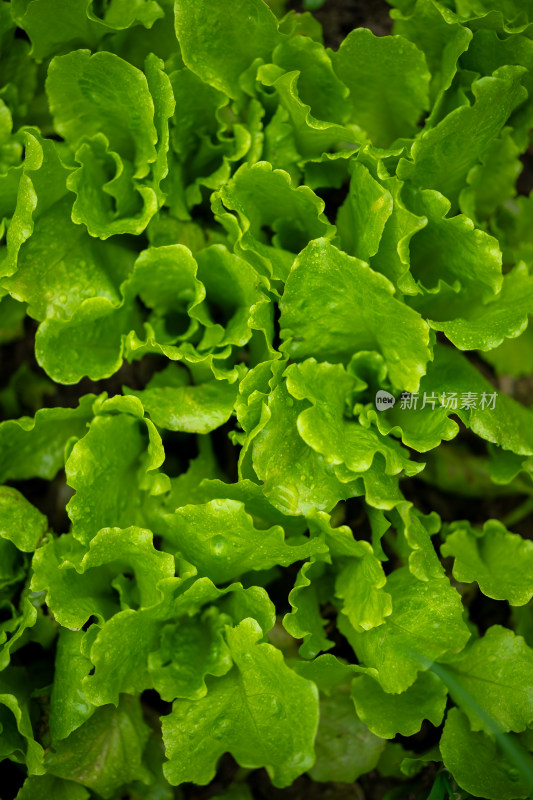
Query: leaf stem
[[518, 756], [518, 513]]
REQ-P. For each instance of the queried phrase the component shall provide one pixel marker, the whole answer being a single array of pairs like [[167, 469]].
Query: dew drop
[[220, 727], [268, 705], [218, 545]]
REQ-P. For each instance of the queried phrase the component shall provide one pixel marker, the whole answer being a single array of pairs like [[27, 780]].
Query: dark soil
[[339, 17], [524, 183]]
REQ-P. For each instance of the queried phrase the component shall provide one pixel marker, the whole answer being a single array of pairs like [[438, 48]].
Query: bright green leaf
[[477, 763], [333, 306], [389, 714], [262, 712], [426, 623], [388, 80], [499, 561], [20, 522]]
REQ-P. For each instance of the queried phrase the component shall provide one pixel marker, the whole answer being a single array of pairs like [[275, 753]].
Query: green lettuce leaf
[[500, 420], [84, 268], [120, 647], [363, 216], [177, 406], [18, 737], [190, 651], [414, 540], [19, 73], [312, 588], [513, 227], [437, 32], [20, 522], [118, 476], [266, 203], [26, 390], [513, 356], [39, 786], [360, 585], [426, 623], [499, 561], [326, 430], [389, 714], [345, 748], [69, 708], [84, 100], [244, 32], [106, 751], [492, 182], [12, 316], [262, 712], [263, 513], [484, 327], [111, 197], [295, 477], [442, 155], [165, 279], [35, 447], [388, 100], [393, 258], [327, 672], [294, 134], [19, 619], [12, 572], [491, 680], [200, 141], [333, 306], [236, 299], [453, 252], [76, 22], [318, 86], [220, 539], [140, 632], [80, 584], [510, 15], [32, 189], [477, 763], [90, 343]]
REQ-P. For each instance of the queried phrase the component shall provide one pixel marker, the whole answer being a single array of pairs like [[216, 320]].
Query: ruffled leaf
[[262, 712], [499, 561]]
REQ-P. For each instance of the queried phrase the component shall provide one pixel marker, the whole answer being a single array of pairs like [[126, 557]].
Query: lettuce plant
[[266, 474]]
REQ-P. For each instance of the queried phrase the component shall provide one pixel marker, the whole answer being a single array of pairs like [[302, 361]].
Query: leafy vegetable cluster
[[270, 232]]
